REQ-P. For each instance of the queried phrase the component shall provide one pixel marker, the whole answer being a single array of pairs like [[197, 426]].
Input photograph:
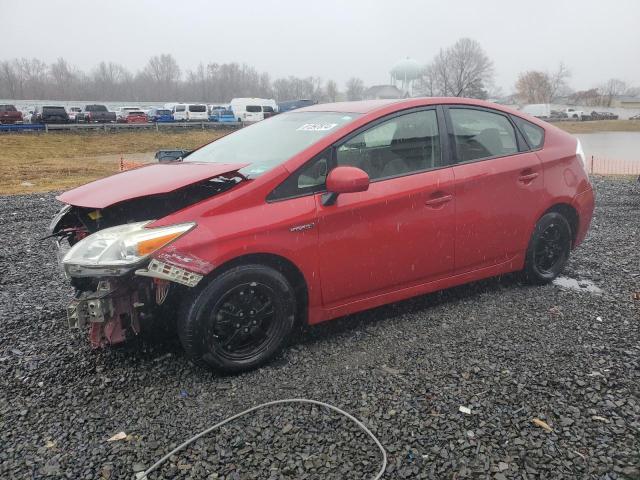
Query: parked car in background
[[98, 114], [50, 114], [557, 115], [192, 112], [603, 116], [179, 112], [222, 115], [10, 114], [122, 112], [136, 116], [575, 114], [75, 114], [635, 117], [289, 105], [250, 109], [160, 115], [274, 224]]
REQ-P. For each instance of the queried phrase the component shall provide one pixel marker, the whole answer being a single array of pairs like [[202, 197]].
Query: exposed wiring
[[155, 466]]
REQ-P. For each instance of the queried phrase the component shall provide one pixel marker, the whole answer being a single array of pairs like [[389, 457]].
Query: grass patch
[[599, 126], [59, 161]]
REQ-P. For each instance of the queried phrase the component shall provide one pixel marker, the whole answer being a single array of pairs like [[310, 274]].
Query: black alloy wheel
[[239, 320], [243, 321], [548, 249]]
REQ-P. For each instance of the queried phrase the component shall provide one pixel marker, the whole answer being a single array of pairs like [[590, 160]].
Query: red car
[[9, 114], [318, 213], [134, 116]]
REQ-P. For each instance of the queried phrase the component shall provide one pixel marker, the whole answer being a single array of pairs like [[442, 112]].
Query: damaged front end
[[122, 268]]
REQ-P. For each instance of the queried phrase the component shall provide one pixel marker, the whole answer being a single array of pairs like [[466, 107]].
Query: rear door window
[[479, 134], [533, 134], [197, 108], [254, 108]]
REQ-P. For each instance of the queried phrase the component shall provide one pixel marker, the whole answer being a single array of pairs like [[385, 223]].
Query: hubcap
[[550, 248], [243, 321]]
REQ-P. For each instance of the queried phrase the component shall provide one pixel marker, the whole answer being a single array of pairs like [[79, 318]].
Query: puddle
[[577, 285]]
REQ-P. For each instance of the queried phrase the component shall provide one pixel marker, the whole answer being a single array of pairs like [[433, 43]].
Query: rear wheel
[[548, 249], [239, 320]]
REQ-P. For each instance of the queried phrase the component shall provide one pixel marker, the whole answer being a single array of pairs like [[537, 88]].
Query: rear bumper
[[584, 203]]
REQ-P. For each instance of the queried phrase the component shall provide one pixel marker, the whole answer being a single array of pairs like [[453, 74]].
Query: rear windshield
[[96, 108], [267, 109], [254, 108], [7, 108], [197, 108], [134, 112], [56, 110], [266, 145], [163, 112]]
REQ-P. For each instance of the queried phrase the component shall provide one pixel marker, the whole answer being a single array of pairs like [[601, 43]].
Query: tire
[[548, 249], [214, 322]]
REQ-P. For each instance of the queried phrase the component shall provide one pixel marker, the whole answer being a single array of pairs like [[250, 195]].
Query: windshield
[[269, 143]]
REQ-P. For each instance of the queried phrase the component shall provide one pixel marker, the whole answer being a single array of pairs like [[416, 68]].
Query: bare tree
[[534, 87], [331, 90], [610, 90], [355, 89], [161, 74], [558, 81], [462, 70]]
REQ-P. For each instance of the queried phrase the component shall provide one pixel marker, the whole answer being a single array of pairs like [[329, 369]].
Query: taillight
[[580, 154]]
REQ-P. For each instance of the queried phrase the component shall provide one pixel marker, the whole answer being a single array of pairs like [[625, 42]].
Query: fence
[[37, 127], [613, 166]]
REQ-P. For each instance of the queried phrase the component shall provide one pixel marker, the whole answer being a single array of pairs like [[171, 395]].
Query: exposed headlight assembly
[[115, 250]]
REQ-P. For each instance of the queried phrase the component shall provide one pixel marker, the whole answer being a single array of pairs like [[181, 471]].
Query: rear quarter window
[[532, 133]]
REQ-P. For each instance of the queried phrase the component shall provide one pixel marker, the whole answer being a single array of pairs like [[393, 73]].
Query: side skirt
[[319, 314]]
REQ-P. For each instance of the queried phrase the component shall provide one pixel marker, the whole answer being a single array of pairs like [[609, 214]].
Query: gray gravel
[[508, 352]]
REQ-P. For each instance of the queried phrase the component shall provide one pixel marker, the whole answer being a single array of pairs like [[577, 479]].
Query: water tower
[[405, 72]]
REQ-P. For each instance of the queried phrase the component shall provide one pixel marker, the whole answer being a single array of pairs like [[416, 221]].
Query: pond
[[611, 152]]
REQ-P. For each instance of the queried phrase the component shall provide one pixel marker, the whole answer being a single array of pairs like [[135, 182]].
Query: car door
[[498, 187], [400, 232]]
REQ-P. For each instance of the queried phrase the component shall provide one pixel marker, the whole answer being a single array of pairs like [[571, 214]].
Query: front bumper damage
[[115, 307]]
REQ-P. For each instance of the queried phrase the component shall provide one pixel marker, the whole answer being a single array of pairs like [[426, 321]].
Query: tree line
[[161, 79], [461, 70], [535, 86]]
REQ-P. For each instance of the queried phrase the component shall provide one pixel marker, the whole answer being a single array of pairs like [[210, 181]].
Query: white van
[[190, 112], [252, 109]]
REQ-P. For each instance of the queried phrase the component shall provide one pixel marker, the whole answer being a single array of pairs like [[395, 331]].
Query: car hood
[[153, 179]]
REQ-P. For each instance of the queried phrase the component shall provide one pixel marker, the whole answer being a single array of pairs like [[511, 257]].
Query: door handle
[[438, 201], [528, 178]]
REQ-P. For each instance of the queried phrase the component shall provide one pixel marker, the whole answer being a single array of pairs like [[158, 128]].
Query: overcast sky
[[597, 39]]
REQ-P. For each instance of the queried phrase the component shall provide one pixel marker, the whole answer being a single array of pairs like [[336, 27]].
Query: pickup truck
[[98, 114], [9, 114], [576, 114]]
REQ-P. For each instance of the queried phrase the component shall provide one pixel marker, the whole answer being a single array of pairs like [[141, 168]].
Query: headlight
[[124, 245]]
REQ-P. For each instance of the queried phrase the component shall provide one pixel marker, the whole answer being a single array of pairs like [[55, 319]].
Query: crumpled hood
[[153, 179]]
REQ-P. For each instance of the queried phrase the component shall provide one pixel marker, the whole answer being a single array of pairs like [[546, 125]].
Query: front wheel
[[548, 249], [238, 321]]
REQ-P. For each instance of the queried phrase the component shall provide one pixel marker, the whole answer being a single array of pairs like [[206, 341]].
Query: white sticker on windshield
[[317, 127]]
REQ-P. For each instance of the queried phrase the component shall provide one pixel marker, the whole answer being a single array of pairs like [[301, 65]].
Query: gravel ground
[[509, 352]]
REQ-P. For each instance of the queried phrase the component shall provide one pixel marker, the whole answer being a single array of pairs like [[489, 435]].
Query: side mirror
[[344, 180]]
